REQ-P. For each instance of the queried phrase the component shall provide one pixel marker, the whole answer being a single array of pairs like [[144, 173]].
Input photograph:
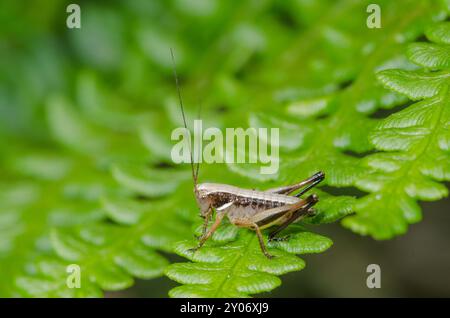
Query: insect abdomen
[[246, 203]]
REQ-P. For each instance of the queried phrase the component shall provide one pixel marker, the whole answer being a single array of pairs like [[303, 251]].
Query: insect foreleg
[[206, 221], [204, 238]]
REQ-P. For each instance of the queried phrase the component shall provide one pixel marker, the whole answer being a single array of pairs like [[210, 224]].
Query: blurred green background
[[229, 54]]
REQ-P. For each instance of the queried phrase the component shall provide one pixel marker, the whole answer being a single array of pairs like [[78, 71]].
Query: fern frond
[[414, 144], [109, 255], [238, 268], [46, 189]]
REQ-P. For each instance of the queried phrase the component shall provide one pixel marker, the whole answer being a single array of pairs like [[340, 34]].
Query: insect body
[[247, 208], [255, 209]]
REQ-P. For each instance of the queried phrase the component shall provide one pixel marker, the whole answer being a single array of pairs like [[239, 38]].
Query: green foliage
[[238, 268], [413, 143], [40, 191], [85, 159], [110, 255], [323, 143]]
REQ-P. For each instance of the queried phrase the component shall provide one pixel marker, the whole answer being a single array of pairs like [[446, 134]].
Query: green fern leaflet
[[413, 143]]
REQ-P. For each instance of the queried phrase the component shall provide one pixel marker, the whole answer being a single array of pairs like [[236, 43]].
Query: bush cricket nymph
[[252, 209]]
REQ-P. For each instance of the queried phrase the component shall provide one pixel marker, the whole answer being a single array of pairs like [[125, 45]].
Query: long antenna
[[198, 162], [175, 75]]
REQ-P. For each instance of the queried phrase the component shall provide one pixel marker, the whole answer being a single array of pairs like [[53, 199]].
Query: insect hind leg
[[313, 181], [303, 211], [308, 184], [254, 226], [261, 242], [262, 218]]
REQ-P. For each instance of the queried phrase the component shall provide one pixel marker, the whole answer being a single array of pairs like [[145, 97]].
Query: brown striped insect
[[247, 208]]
